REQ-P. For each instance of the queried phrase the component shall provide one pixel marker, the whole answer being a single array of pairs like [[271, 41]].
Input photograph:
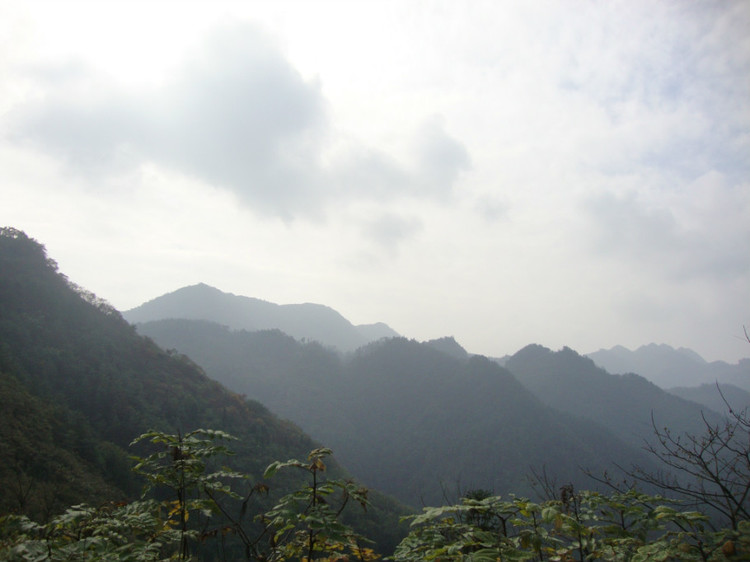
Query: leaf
[[272, 469]]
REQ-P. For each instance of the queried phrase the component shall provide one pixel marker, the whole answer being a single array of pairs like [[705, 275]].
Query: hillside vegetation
[[78, 384]]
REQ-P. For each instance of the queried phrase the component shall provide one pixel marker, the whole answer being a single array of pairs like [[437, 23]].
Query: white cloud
[[390, 229], [693, 229], [238, 116]]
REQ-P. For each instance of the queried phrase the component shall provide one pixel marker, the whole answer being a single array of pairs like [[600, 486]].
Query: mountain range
[[405, 417], [661, 364], [424, 422], [403, 396], [628, 405], [668, 367], [724, 398], [302, 321]]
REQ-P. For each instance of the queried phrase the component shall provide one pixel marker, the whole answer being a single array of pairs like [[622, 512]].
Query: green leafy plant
[[581, 526], [306, 524], [196, 505], [133, 531], [180, 466]]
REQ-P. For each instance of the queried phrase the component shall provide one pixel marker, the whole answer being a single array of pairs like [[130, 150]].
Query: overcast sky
[[564, 173]]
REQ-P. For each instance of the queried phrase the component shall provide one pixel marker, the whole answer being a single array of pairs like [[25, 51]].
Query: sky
[[567, 173]]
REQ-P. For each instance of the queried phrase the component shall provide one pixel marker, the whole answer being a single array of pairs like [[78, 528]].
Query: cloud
[[241, 117], [437, 160], [389, 230], [701, 237], [366, 172], [492, 209], [80, 118], [235, 115], [440, 158], [664, 85]]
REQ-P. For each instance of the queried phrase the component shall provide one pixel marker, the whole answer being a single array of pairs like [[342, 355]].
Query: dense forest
[[113, 448]]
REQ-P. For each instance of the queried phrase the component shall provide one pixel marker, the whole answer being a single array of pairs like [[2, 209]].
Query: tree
[[180, 466], [711, 470], [306, 524]]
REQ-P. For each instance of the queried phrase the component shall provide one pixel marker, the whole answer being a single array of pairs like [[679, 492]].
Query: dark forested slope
[[78, 384]]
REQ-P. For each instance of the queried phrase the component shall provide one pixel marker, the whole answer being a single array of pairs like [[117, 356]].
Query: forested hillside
[[407, 418], [77, 384]]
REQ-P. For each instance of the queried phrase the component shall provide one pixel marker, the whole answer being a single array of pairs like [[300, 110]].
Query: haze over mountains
[[661, 364], [424, 422], [426, 402], [405, 417], [668, 367], [622, 403], [302, 321]]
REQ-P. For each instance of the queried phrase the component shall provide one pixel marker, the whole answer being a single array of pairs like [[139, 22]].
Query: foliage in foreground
[[200, 515], [196, 510], [586, 525]]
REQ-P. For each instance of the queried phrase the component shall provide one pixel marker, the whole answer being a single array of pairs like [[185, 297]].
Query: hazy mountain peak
[[449, 346], [624, 403], [309, 321], [532, 349], [376, 331], [668, 367], [691, 354], [666, 350]]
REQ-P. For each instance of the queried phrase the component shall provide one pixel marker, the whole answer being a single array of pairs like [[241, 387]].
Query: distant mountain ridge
[[668, 367], [718, 399], [305, 321], [624, 404], [405, 417]]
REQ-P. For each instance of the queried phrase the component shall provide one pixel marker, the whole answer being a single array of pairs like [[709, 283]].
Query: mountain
[[302, 321], [77, 384], [449, 346], [668, 367], [415, 420], [624, 404], [719, 399]]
